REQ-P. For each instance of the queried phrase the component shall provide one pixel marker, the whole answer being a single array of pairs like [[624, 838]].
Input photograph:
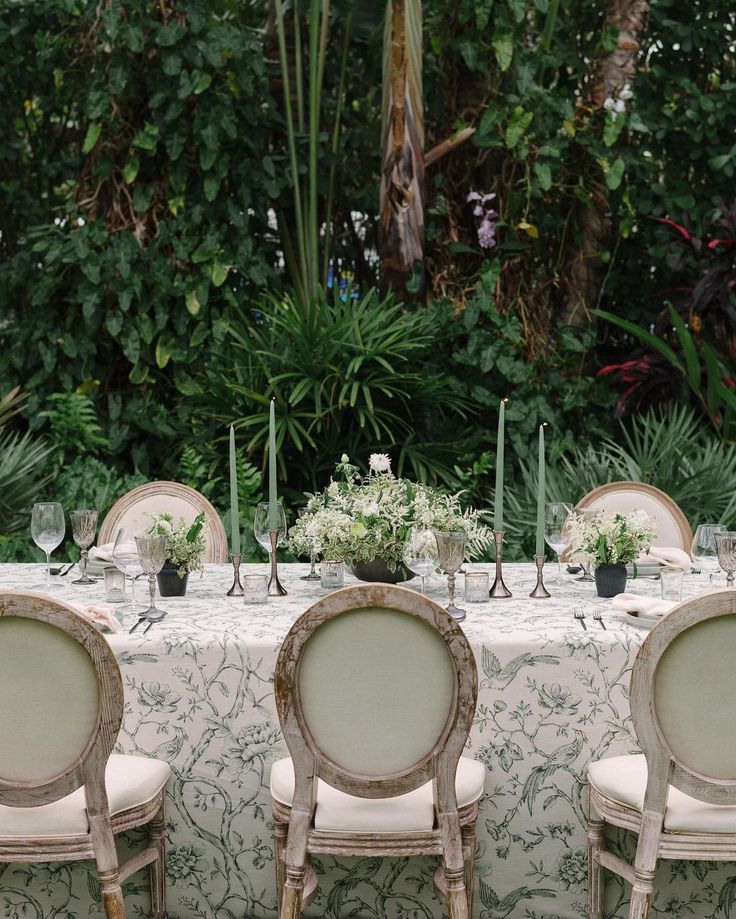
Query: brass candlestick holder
[[540, 592], [275, 587], [499, 591], [237, 589]]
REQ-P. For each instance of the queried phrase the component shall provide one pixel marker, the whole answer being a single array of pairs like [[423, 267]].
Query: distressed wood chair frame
[[217, 547], [665, 769], [88, 770], [681, 521], [452, 838]]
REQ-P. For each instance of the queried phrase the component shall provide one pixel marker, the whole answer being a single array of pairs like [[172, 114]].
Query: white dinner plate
[[641, 621], [644, 571]]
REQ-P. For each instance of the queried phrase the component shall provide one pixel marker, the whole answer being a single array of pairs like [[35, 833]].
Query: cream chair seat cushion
[[413, 812], [131, 781], [624, 779]]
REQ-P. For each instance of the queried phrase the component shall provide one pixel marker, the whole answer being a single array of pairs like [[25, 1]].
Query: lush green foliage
[[147, 191], [23, 468]]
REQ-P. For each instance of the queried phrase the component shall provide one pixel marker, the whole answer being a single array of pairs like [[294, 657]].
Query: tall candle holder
[[540, 592], [237, 589], [499, 591], [275, 588]]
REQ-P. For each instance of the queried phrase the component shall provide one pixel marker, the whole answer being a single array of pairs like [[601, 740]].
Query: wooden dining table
[[199, 694]]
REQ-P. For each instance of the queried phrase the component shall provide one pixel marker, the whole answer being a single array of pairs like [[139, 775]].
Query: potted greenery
[[364, 520], [185, 545], [611, 542]]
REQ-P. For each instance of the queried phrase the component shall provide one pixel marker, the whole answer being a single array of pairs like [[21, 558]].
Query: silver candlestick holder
[[237, 589], [499, 591], [540, 592], [275, 587]]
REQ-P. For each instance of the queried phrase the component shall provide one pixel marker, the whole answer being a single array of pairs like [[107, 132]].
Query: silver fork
[[580, 616], [599, 618]]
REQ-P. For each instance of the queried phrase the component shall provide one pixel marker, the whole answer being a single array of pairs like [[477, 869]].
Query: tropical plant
[[356, 376], [360, 518], [24, 467]]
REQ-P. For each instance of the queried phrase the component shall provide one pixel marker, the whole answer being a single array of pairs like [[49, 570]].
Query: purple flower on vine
[[488, 217]]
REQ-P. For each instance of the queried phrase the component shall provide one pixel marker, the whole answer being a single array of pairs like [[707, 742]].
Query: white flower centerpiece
[[185, 548], [363, 519], [611, 542]]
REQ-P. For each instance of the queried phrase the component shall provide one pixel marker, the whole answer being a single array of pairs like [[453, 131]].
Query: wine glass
[[47, 529], [314, 548], [126, 558], [451, 552], [152, 555], [556, 535], [587, 513], [261, 528], [726, 549], [421, 553], [703, 549], [84, 527]]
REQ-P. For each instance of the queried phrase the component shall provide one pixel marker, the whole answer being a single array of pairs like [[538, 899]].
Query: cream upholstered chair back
[[671, 524], [375, 689], [61, 700], [682, 690], [134, 511]]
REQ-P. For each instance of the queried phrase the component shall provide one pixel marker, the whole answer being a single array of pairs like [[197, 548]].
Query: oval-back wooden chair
[[671, 524], [375, 689], [680, 794], [133, 509], [63, 796]]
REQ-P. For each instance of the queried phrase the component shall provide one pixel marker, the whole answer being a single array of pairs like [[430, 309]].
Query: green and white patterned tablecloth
[[199, 694]]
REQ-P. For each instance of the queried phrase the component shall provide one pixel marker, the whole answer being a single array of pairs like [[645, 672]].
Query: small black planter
[[169, 582], [610, 580], [377, 570]]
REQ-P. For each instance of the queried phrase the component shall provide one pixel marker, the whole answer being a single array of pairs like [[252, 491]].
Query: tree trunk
[[610, 74], [401, 224]]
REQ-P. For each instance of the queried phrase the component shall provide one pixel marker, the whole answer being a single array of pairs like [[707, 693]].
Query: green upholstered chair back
[[373, 684], [683, 687], [60, 699]]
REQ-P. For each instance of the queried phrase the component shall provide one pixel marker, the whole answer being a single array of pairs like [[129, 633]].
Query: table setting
[[553, 655]]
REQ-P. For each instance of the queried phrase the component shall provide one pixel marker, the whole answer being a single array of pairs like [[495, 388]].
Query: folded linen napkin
[[99, 614], [103, 553], [667, 555], [647, 606]]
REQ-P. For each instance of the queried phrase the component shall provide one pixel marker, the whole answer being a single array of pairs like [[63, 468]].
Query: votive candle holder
[[255, 589], [476, 586]]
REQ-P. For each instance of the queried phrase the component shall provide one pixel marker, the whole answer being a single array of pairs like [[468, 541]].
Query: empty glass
[[421, 553], [125, 556], [255, 588], [47, 529], [703, 549], [260, 526], [476, 586], [726, 549], [556, 516], [670, 580], [84, 527], [332, 573], [451, 552], [314, 549], [152, 554]]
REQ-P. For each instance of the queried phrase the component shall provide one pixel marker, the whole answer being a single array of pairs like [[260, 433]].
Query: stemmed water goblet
[[451, 552], [126, 559], [556, 534], [152, 555], [47, 529], [261, 527], [84, 527], [703, 549], [314, 549], [421, 553], [726, 549]]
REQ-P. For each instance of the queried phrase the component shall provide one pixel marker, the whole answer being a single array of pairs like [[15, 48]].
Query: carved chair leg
[[453, 867], [280, 831], [295, 864], [158, 868], [112, 895], [645, 864], [641, 898], [596, 882], [468, 837], [291, 903], [106, 859]]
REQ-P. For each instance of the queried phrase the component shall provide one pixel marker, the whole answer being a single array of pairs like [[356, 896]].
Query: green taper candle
[[541, 493], [234, 512], [498, 508], [273, 500]]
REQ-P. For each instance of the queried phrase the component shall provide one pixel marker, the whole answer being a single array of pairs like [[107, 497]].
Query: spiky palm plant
[[23, 468]]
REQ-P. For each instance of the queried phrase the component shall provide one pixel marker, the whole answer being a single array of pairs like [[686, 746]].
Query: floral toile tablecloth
[[199, 694]]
